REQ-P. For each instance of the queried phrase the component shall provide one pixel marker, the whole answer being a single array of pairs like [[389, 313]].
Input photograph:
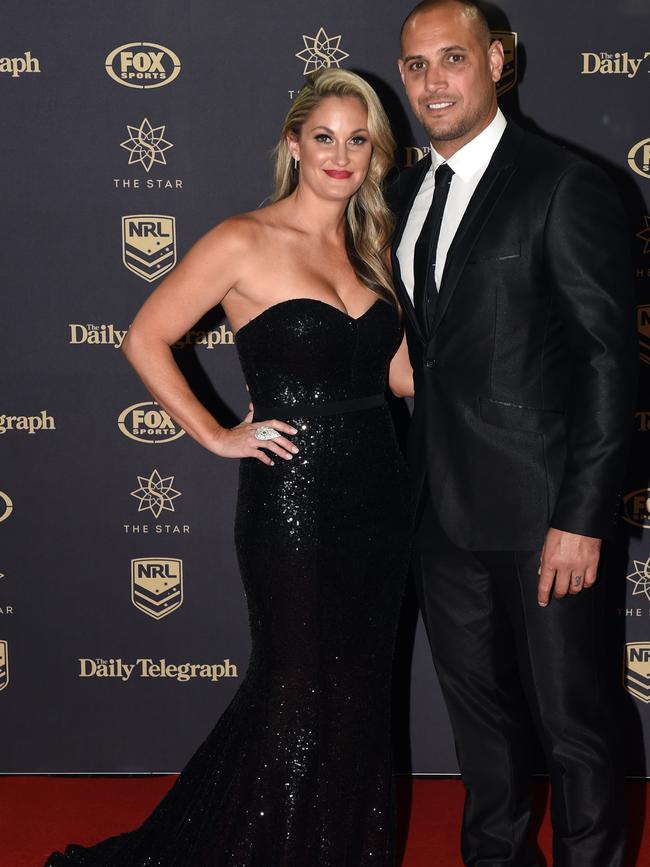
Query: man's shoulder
[[545, 158], [398, 186]]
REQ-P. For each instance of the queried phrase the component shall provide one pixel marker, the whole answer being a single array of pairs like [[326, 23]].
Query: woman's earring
[[295, 164]]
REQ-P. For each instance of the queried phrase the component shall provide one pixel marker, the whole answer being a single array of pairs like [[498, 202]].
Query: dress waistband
[[313, 410]]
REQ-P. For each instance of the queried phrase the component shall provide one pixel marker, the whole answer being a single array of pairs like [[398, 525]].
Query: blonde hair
[[369, 222]]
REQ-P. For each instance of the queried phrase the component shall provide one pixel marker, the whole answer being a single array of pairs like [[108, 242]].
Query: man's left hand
[[569, 563]]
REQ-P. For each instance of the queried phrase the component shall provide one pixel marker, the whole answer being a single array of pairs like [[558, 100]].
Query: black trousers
[[507, 667]]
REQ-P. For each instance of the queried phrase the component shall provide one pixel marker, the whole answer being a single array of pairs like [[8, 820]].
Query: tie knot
[[443, 175]]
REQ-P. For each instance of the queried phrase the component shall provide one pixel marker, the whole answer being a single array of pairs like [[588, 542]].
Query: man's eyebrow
[[445, 50]]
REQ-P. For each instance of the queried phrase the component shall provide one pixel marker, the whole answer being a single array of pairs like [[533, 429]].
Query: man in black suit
[[511, 260]]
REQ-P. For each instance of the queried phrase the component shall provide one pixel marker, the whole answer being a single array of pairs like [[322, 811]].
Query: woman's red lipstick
[[339, 175]]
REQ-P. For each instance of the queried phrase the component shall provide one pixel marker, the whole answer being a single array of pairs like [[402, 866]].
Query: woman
[[297, 771]]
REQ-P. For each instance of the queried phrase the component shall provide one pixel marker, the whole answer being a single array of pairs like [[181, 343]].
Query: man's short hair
[[470, 7]]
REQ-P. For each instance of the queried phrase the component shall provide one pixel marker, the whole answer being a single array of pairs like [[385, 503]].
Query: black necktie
[[424, 258]]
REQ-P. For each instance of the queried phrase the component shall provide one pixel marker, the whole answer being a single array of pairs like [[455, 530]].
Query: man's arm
[[588, 261]]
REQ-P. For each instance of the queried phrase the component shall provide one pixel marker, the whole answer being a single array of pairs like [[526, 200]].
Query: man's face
[[449, 72]]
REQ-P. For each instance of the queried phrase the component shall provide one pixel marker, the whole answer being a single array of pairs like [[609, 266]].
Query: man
[[510, 257]]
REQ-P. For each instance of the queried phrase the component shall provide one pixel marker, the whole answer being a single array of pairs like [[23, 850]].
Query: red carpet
[[39, 814]]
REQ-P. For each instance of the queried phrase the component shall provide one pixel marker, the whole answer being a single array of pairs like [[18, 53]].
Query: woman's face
[[334, 148]]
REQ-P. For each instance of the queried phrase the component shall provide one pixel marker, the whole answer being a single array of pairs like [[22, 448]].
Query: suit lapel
[[481, 205], [405, 204]]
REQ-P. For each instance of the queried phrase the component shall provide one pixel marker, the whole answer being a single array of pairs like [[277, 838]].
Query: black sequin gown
[[297, 772]]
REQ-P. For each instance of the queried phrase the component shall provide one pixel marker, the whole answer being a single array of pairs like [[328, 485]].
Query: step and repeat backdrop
[[128, 131]]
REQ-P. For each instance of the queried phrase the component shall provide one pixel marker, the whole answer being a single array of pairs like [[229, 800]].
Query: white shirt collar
[[477, 153]]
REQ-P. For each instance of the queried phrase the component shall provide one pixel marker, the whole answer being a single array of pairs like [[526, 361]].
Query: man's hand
[[568, 564]]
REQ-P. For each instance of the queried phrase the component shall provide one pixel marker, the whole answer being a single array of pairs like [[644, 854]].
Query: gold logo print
[[157, 585], [146, 145], [321, 51], [643, 325], [143, 65], [644, 235], [147, 422], [640, 578], [508, 38], [156, 494], [636, 508], [639, 158], [6, 506], [4, 665], [636, 671], [149, 244], [17, 65]]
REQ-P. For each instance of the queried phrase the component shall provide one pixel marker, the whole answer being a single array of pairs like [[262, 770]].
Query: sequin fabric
[[297, 772]]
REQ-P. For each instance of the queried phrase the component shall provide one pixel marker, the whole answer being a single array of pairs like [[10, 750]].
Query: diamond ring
[[266, 433]]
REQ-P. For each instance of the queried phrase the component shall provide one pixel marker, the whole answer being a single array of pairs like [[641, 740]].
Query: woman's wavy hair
[[369, 222]]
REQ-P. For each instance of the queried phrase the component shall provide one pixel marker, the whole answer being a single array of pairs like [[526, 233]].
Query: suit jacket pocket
[[496, 254], [517, 416]]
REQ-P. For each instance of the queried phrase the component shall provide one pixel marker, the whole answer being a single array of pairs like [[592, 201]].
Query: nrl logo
[[157, 585], [4, 665], [636, 672], [507, 38], [149, 245]]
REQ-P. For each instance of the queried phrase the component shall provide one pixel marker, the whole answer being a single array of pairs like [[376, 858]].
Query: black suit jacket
[[525, 385]]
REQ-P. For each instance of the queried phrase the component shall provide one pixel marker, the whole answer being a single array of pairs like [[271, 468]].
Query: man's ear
[[496, 59]]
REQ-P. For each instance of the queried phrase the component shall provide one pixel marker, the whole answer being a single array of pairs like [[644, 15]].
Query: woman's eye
[[322, 138], [358, 140]]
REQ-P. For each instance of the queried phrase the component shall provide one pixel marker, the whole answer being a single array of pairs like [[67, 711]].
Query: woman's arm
[[400, 372], [201, 281]]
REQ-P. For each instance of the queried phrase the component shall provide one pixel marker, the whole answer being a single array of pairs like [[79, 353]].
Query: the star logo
[[641, 578], [146, 145], [155, 494], [644, 235], [321, 51]]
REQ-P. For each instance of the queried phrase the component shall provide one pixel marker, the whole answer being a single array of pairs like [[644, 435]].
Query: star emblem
[[644, 235], [641, 578], [321, 51], [155, 494], [146, 145]]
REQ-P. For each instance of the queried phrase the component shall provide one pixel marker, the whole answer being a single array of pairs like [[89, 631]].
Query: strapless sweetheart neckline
[[312, 300]]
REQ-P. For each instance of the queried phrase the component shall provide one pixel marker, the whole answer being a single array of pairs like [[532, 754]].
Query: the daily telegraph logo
[[642, 418], [157, 585], [413, 154], [15, 66], [636, 672], [148, 422], [155, 494], [149, 244], [108, 334], [321, 51], [638, 158], [29, 424], [143, 65], [6, 506], [4, 664], [613, 63], [643, 326], [120, 669], [636, 508], [508, 38]]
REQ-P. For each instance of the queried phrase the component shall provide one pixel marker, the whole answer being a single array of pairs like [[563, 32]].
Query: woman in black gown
[[297, 772]]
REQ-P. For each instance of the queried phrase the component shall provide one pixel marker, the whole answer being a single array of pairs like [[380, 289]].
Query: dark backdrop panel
[[89, 681]]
